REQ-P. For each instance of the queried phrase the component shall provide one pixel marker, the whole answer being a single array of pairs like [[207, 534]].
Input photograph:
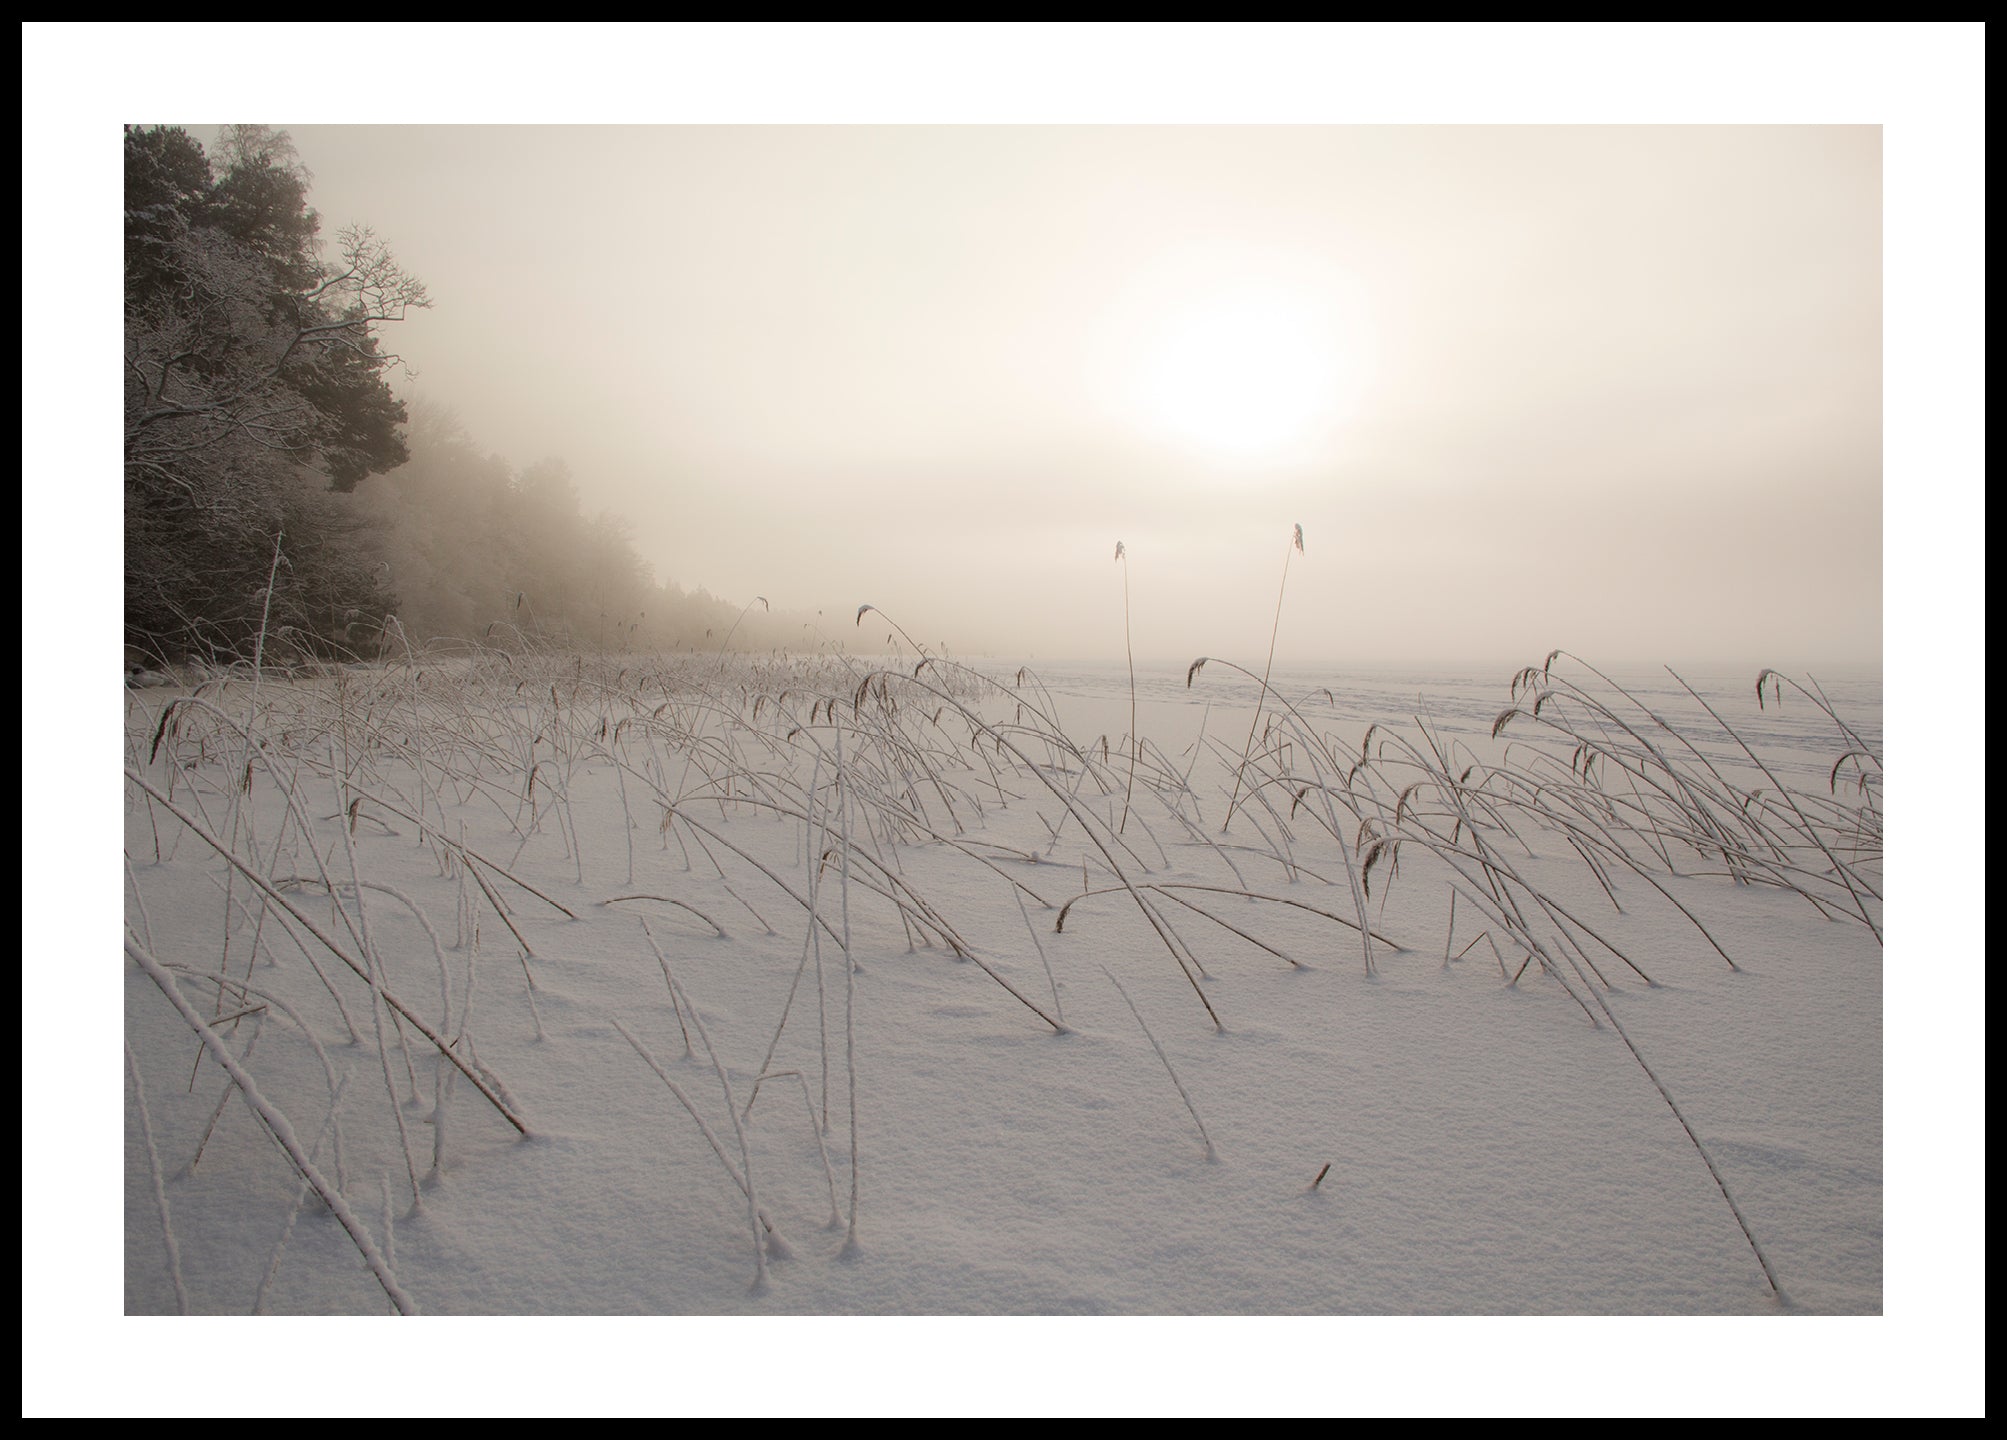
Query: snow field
[[1494, 1146]]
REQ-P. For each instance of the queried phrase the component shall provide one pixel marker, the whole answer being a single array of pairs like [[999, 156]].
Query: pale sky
[[1611, 388], [1608, 388]]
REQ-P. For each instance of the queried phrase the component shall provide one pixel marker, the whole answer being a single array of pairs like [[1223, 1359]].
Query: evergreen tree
[[255, 385]]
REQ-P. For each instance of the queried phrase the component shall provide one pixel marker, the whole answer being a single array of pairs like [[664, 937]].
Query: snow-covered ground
[[590, 896]]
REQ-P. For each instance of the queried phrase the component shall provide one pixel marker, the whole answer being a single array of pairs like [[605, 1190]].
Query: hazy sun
[[1245, 372]]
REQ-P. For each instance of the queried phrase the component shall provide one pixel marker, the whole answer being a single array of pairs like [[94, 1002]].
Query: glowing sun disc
[[1243, 374]]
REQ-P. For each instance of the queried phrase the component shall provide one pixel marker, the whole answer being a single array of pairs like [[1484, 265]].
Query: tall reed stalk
[[1135, 739], [1296, 543], [850, 1247]]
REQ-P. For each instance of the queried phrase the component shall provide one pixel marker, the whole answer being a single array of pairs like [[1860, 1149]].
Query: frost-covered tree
[[255, 383]]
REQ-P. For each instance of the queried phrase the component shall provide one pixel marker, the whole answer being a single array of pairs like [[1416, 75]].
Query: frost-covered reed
[[742, 784]]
